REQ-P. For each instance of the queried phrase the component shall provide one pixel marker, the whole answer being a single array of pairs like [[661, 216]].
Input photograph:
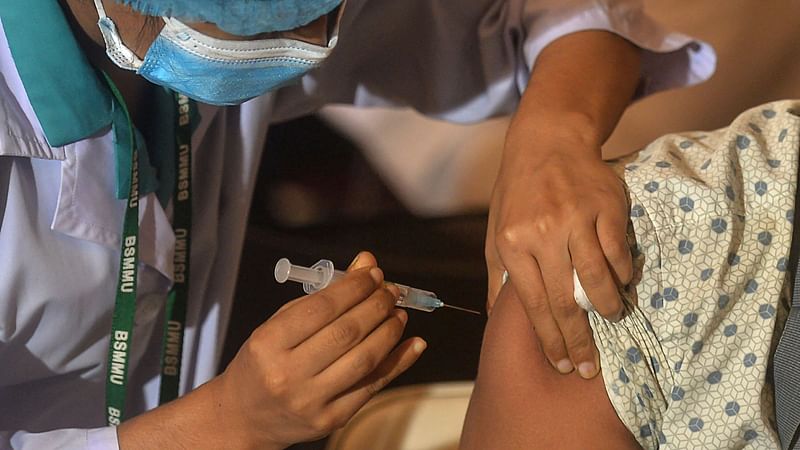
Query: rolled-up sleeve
[[74, 439], [669, 59], [468, 61]]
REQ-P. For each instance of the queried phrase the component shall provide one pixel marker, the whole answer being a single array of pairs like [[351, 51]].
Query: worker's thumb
[[362, 260]]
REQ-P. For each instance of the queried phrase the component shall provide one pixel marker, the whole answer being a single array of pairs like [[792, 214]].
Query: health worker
[[131, 135]]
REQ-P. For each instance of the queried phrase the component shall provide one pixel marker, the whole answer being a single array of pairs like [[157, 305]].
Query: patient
[[690, 364]]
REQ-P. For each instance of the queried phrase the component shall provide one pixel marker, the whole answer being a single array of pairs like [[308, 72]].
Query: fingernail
[[402, 315], [587, 370], [376, 274], [565, 366], [355, 260], [419, 346]]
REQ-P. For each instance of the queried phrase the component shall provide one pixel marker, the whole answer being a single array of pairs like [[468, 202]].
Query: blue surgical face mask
[[215, 71]]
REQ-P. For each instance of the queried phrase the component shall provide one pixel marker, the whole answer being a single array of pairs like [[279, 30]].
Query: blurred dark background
[[317, 197]]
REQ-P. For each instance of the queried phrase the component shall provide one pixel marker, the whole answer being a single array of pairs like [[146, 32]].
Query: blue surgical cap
[[240, 17]]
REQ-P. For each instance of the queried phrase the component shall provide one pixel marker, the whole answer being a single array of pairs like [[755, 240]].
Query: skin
[[580, 85], [299, 376], [522, 403], [578, 89], [555, 204], [306, 370]]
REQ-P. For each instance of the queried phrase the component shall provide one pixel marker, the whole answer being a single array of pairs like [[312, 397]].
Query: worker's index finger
[[310, 314]]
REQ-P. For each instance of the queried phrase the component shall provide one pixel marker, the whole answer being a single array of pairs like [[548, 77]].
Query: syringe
[[323, 273]]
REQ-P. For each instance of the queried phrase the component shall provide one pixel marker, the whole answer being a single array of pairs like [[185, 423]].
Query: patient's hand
[[556, 212], [556, 205]]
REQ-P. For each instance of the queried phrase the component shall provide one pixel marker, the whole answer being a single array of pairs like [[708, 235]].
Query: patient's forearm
[[521, 402], [580, 85]]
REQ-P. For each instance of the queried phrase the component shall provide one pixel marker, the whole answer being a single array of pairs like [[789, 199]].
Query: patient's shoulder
[[521, 401]]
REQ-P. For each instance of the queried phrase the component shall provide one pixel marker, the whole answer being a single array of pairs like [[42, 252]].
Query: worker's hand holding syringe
[[330, 352], [301, 374]]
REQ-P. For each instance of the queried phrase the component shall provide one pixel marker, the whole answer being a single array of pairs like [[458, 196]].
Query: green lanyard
[[125, 306], [172, 344]]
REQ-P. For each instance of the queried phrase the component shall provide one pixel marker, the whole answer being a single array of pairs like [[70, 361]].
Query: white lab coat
[[60, 222]]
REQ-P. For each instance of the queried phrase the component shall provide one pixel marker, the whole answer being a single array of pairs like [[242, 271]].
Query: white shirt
[[60, 221]]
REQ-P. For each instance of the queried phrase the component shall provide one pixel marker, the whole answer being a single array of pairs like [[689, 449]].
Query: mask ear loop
[[122, 56], [333, 36]]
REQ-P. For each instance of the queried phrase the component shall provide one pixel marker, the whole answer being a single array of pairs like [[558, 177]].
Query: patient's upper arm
[[521, 402]]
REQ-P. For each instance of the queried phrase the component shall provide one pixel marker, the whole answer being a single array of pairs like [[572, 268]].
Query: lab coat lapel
[[89, 210]]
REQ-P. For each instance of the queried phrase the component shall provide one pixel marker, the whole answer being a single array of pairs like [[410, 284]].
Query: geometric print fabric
[[711, 212]]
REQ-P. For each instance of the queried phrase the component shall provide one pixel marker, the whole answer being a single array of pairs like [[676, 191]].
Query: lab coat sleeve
[[71, 438], [669, 59], [465, 61]]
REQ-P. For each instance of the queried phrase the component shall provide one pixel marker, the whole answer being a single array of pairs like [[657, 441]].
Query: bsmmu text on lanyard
[[125, 305]]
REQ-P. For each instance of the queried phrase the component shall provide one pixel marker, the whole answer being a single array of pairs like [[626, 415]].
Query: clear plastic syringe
[[322, 273]]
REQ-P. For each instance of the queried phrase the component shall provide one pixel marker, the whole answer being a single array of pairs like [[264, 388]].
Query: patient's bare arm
[[521, 402]]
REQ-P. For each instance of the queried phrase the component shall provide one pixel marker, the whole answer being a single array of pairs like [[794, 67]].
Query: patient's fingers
[[571, 319], [593, 273], [528, 284], [612, 227]]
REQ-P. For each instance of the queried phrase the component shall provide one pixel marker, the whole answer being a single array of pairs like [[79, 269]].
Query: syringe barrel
[[417, 299], [321, 274]]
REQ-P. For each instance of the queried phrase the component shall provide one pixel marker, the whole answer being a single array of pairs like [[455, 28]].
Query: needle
[[320, 274], [471, 311]]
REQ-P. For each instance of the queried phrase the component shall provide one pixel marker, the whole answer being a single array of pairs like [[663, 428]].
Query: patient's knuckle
[[552, 346], [339, 421], [610, 310], [331, 421], [300, 405], [563, 305], [592, 274], [579, 343], [508, 238], [616, 250], [547, 223], [536, 305], [323, 423]]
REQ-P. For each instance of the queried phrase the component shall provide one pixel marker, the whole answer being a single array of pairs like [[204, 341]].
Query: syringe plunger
[[313, 278]]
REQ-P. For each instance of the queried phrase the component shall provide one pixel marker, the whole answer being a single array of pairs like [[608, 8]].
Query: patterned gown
[[689, 367]]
